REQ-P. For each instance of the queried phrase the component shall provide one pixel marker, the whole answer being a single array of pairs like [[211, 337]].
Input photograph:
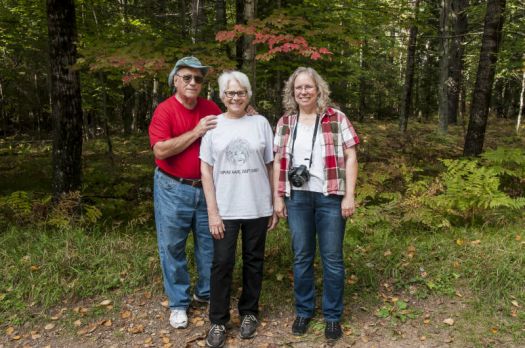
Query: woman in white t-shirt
[[236, 167]]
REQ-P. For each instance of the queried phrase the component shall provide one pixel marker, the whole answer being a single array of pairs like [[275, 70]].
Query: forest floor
[[141, 320]]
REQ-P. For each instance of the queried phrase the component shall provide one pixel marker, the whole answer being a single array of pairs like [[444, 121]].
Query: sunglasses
[[187, 78], [231, 94]]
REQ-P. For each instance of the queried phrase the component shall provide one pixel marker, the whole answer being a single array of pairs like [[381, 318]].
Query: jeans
[[179, 209], [253, 242], [311, 215]]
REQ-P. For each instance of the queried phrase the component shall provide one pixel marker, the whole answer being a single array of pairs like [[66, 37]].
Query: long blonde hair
[[323, 99]]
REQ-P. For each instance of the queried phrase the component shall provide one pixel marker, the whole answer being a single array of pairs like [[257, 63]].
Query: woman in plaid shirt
[[315, 171]]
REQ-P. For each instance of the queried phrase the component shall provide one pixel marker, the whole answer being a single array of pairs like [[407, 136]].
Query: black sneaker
[[216, 336], [332, 330], [300, 324], [249, 325]]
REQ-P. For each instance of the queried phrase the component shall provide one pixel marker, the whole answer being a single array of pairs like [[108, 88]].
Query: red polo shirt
[[170, 120]]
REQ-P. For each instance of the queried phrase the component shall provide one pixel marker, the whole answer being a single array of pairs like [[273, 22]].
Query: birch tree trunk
[[65, 96], [409, 73], [485, 77], [520, 113], [444, 65]]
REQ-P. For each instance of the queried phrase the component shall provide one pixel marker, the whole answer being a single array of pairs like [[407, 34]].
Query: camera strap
[[313, 139]]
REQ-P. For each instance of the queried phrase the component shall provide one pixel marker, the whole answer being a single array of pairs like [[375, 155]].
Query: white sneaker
[[178, 318]]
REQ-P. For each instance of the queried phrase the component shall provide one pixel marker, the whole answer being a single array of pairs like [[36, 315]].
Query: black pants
[[253, 240]]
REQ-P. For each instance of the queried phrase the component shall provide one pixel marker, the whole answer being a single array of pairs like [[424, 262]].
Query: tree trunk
[[65, 96], [239, 19], [485, 77], [459, 11], [128, 101], [520, 113], [362, 83], [249, 48], [444, 65], [409, 73], [198, 20], [220, 15]]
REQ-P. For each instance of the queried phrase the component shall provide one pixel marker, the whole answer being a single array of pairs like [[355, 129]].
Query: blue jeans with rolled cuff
[[313, 216], [179, 210]]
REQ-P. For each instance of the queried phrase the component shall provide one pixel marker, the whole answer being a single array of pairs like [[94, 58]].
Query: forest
[[434, 88]]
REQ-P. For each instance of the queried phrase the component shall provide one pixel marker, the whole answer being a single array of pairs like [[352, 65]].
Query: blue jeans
[[311, 215], [179, 209]]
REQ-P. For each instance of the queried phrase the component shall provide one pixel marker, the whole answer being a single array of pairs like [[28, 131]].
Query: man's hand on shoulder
[[205, 124]]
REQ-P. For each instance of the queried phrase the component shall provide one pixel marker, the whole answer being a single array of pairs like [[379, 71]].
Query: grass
[[42, 268], [484, 262]]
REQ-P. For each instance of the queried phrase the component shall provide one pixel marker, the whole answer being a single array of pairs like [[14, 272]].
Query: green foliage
[[397, 310], [41, 267]]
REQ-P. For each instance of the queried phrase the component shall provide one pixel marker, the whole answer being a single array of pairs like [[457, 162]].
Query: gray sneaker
[[200, 299], [249, 325], [216, 336]]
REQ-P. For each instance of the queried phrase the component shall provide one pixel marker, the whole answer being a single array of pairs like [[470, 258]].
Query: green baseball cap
[[190, 62]]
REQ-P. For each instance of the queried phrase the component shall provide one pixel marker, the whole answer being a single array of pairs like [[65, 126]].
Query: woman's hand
[[216, 226], [279, 207], [273, 221], [348, 206]]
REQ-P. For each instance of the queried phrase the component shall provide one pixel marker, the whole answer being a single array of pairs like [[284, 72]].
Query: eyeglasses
[[187, 78], [231, 94], [307, 88]]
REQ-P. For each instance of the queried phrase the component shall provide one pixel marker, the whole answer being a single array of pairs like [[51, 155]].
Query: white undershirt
[[302, 152]]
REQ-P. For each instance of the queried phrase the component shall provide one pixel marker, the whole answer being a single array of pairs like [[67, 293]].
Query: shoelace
[[301, 321], [217, 329], [332, 325], [247, 318]]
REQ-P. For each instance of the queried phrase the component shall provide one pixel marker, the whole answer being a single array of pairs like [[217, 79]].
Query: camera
[[298, 175]]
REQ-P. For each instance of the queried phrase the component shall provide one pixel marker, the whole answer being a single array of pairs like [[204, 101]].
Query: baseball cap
[[190, 62]]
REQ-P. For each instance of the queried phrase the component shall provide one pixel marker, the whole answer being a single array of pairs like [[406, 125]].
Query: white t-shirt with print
[[239, 150]]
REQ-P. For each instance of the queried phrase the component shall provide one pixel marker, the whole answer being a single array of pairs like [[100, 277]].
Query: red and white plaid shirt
[[338, 135]]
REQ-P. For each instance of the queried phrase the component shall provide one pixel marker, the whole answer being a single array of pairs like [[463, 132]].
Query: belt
[[191, 182]]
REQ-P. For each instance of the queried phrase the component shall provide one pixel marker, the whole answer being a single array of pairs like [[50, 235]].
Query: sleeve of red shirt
[[159, 128]]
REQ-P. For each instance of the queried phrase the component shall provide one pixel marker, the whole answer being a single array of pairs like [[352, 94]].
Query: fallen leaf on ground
[[459, 242], [387, 253], [105, 303], [518, 237], [49, 326], [136, 329], [449, 321], [9, 331], [515, 303], [147, 294], [148, 340], [165, 340], [423, 338], [164, 304], [426, 321], [125, 314], [86, 330], [458, 294], [201, 343], [77, 323], [16, 338], [35, 335], [107, 323], [494, 330]]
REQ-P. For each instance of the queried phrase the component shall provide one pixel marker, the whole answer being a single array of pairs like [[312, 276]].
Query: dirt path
[[142, 321]]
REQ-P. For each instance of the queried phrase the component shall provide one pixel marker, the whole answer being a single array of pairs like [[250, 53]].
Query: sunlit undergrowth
[[429, 222]]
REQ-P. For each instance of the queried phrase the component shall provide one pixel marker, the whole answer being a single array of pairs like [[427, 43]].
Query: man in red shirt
[[175, 134]]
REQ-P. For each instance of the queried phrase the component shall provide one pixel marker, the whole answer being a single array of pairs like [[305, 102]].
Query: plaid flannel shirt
[[338, 135]]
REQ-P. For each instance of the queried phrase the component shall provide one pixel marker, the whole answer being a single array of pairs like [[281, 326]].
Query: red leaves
[[277, 43]]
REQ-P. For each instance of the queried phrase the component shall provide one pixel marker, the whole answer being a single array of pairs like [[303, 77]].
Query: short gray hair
[[238, 76]]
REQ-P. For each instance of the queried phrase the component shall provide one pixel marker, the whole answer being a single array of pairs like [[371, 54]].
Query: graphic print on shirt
[[238, 152]]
